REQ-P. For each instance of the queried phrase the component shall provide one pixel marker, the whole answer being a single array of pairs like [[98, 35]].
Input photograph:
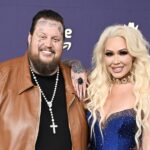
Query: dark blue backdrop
[[86, 19]]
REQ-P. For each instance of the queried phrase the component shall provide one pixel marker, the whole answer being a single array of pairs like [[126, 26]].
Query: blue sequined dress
[[118, 131]]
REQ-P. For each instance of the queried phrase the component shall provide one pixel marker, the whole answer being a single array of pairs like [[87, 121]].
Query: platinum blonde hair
[[100, 79]]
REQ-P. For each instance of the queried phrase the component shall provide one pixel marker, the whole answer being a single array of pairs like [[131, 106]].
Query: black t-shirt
[[46, 140]]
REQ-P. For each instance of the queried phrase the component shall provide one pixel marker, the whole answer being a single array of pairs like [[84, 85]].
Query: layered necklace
[[49, 103]]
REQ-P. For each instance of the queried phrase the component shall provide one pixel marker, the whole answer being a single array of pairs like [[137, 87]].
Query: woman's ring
[[80, 81]]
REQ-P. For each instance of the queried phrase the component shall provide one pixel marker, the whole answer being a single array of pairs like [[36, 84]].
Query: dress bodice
[[118, 131]]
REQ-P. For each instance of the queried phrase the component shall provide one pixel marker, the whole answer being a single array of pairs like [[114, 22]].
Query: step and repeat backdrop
[[84, 20]]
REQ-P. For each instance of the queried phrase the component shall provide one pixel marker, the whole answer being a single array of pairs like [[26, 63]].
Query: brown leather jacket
[[20, 108]]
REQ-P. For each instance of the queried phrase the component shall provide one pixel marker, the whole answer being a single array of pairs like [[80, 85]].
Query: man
[[38, 106]]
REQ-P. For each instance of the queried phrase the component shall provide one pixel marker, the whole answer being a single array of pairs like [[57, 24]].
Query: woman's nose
[[116, 59]]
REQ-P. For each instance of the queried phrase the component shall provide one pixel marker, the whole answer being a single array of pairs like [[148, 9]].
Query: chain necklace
[[49, 103]]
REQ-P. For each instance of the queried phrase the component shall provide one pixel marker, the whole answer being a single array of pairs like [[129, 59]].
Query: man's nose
[[48, 43]]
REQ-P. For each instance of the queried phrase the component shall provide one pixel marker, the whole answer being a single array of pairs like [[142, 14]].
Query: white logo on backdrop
[[68, 35], [132, 25]]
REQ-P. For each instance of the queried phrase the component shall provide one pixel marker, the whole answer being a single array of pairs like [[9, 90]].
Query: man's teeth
[[47, 52]]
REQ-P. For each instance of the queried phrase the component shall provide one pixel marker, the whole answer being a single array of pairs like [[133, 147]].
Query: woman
[[119, 91]]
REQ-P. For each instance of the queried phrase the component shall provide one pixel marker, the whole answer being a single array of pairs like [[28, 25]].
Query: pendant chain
[[49, 103]]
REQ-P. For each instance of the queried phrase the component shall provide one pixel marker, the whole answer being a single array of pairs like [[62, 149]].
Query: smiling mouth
[[117, 69], [47, 52]]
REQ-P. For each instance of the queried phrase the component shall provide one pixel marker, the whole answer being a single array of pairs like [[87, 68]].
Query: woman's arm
[[146, 137]]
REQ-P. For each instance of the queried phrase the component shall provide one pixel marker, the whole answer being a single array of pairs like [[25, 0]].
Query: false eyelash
[[109, 54], [123, 52]]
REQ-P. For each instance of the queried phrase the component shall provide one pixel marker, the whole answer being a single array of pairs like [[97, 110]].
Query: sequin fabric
[[118, 131]]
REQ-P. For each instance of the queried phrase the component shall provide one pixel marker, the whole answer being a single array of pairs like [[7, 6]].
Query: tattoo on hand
[[77, 68]]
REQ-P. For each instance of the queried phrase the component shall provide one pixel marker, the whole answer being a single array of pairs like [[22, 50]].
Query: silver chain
[[49, 103]]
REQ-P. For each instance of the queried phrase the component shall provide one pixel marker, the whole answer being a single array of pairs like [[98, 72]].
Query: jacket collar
[[25, 82], [70, 92]]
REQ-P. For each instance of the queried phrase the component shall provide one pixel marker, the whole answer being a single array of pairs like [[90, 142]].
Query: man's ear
[[29, 38]]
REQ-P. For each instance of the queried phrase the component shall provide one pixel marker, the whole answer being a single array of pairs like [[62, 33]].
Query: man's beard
[[42, 67]]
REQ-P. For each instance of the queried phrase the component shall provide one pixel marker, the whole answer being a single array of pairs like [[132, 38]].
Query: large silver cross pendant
[[54, 126]]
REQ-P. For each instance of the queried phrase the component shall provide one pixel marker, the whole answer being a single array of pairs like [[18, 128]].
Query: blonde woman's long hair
[[100, 79]]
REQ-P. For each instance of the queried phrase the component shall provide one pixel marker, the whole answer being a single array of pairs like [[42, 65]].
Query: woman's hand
[[79, 78], [80, 82]]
